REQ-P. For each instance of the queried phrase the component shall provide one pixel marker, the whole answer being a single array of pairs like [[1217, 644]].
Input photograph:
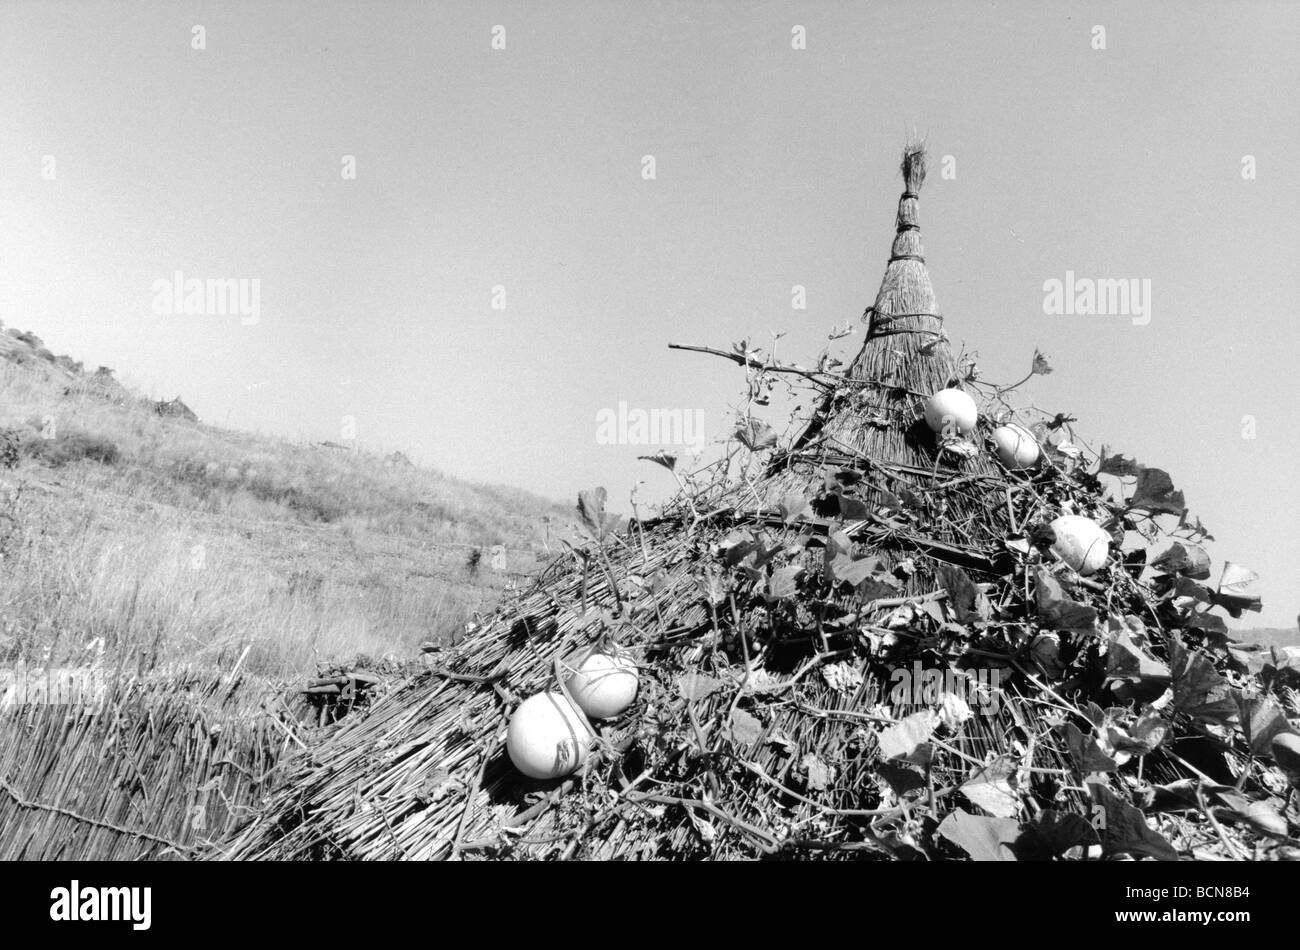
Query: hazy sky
[[522, 168]]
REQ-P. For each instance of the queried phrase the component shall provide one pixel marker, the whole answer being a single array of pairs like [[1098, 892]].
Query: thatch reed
[[154, 768], [770, 624]]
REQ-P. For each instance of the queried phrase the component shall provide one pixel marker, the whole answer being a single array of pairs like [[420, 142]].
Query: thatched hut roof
[[770, 626]]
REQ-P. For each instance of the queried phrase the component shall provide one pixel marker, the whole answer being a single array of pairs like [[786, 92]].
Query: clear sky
[[522, 168]]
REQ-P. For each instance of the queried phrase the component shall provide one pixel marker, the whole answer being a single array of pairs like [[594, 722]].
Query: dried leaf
[[745, 729], [1065, 448], [819, 774], [909, 739], [1239, 589], [842, 677], [960, 448], [1117, 465], [697, 686], [661, 458], [711, 587], [756, 435], [954, 710]]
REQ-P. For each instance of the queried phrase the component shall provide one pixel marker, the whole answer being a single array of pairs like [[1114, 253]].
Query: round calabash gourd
[[547, 737], [1016, 446], [951, 411], [1081, 543], [604, 685]]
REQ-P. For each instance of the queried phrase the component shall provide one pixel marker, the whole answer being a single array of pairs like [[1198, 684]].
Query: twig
[[98, 823], [756, 364], [469, 801], [1209, 813]]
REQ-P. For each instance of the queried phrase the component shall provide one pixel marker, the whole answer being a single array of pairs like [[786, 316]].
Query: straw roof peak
[[905, 352], [913, 167]]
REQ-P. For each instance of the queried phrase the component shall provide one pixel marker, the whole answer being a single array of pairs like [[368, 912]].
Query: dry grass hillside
[[166, 541]]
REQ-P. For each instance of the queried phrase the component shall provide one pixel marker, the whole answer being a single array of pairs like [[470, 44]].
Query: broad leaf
[[756, 435], [991, 789], [1085, 752], [1254, 814], [784, 583], [853, 509], [736, 547], [962, 592], [1058, 610], [1199, 690], [1056, 832], [984, 839], [1125, 829], [591, 509], [791, 507], [1190, 560], [1155, 493], [1260, 720], [1125, 660]]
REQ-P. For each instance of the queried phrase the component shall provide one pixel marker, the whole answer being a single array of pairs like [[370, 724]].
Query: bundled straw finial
[[913, 166]]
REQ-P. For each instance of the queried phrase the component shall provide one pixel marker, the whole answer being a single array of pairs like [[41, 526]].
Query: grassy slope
[[155, 537]]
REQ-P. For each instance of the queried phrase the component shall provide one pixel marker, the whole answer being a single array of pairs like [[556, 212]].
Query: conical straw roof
[[769, 640], [874, 418], [905, 356]]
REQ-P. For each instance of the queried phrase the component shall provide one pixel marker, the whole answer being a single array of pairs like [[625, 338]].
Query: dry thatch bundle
[[867, 648], [150, 768]]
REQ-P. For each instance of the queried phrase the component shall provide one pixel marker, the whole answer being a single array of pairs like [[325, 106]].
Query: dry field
[[169, 543]]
